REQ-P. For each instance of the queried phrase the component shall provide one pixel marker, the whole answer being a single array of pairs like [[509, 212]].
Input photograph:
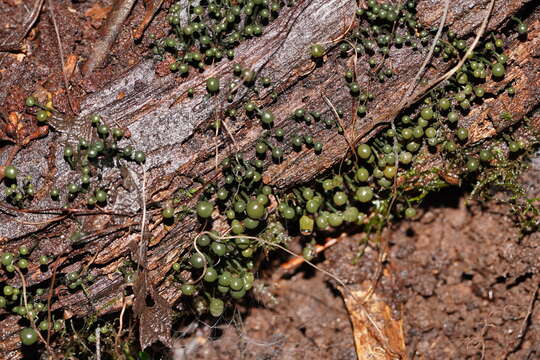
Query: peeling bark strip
[[169, 126]]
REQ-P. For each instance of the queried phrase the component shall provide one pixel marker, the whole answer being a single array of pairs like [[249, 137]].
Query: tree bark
[[173, 129]]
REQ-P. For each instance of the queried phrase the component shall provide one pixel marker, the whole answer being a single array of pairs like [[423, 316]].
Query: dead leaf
[[152, 7], [139, 290], [377, 336], [70, 64], [156, 322], [98, 12], [12, 2]]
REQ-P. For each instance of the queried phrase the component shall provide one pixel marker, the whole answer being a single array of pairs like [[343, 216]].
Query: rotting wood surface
[[171, 128]]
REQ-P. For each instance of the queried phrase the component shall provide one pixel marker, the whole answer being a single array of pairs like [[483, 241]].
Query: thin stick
[[59, 41], [469, 51], [27, 26], [339, 122], [360, 302], [148, 16], [32, 321], [72, 211], [49, 300], [98, 343], [120, 326], [224, 122], [268, 243], [293, 263], [143, 221], [116, 19], [420, 72], [524, 324], [409, 101]]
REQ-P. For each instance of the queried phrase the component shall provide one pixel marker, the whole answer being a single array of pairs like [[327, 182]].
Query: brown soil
[[459, 277]]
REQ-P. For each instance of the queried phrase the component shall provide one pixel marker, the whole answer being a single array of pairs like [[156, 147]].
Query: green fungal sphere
[[211, 275], [218, 248], [389, 172], [351, 214], [23, 250], [167, 213], [10, 172], [224, 278], [405, 157], [8, 290], [22, 263], [204, 240], [472, 165], [197, 261], [430, 132], [72, 188], [277, 153], [42, 115], [101, 196], [322, 222], [427, 113], [95, 119], [236, 283], [317, 51], [362, 174], [306, 225], [255, 209], [312, 206], [43, 260], [30, 101], [68, 151], [267, 117], [498, 70], [364, 194], [444, 104], [103, 130], [462, 134], [479, 91], [407, 133], [513, 146], [410, 212], [363, 151], [28, 336], [55, 193], [188, 289], [216, 307], [453, 117], [212, 85], [261, 148], [522, 28], [204, 209], [288, 213], [485, 155], [139, 157], [117, 133], [340, 198], [335, 219]]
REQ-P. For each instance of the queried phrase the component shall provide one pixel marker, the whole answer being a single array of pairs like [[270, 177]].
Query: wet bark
[[174, 130]]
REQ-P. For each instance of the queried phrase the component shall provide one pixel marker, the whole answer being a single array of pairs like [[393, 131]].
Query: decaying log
[[173, 130]]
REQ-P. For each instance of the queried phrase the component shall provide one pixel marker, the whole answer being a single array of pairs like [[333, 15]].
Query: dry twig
[[59, 41], [115, 21]]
